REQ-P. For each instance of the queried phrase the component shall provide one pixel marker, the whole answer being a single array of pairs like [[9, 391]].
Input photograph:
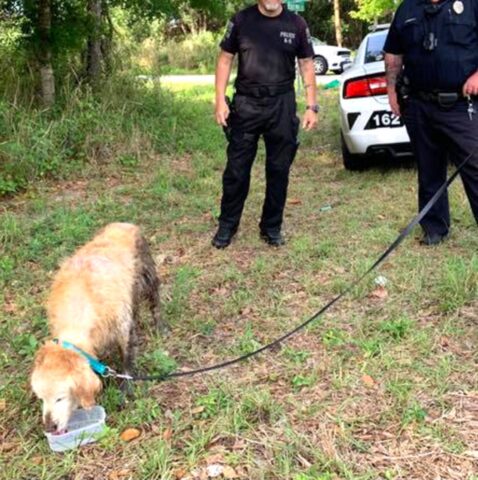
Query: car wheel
[[320, 64], [352, 161]]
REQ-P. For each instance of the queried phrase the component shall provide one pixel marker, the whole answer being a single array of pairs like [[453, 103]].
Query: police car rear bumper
[[395, 150], [355, 115], [394, 141]]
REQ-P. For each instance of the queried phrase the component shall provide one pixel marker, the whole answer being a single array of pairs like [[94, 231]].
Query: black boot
[[273, 237], [223, 236], [430, 238]]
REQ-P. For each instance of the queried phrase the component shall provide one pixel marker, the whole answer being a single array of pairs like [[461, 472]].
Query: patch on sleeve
[[229, 29], [308, 36]]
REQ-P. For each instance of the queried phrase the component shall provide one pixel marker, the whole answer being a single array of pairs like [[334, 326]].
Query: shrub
[[195, 53], [115, 125]]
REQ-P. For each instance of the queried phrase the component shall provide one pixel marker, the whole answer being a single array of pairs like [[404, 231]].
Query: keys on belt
[[471, 108], [448, 100]]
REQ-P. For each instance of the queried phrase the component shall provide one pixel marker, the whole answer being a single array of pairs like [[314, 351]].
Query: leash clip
[[109, 372]]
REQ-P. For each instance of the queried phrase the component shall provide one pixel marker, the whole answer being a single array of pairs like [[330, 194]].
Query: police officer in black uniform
[[267, 38], [432, 50]]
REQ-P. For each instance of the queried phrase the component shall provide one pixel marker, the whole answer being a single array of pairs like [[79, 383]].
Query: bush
[[196, 53], [118, 123]]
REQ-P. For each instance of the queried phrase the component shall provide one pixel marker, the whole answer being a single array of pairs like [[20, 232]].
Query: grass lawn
[[383, 386]]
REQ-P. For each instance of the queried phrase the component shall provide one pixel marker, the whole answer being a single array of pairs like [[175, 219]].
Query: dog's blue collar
[[95, 364]]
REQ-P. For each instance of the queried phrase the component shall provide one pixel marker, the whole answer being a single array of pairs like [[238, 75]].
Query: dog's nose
[[50, 425]]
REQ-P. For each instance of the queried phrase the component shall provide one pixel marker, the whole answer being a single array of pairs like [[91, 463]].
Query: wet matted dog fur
[[94, 304]]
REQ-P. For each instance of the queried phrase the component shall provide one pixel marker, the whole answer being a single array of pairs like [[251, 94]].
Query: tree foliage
[[320, 17], [75, 38], [374, 10]]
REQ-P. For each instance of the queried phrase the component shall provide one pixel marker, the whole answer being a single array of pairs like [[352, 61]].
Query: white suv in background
[[367, 125], [328, 57]]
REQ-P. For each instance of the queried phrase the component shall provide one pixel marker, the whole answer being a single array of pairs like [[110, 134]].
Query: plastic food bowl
[[84, 427]]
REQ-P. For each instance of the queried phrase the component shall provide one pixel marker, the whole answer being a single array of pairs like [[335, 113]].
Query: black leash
[[383, 256]]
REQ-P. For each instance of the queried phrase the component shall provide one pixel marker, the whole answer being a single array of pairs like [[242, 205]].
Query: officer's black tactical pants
[[438, 135], [275, 119]]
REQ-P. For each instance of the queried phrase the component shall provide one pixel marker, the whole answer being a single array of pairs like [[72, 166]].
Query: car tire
[[352, 161], [320, 64]]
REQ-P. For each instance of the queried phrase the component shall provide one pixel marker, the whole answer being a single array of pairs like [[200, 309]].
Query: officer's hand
[[310, 120], [393, 100], [471, 85], [222, 112]]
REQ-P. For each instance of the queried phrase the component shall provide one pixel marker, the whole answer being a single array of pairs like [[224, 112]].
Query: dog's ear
[[41, 353], [38, 361], [86, 386]]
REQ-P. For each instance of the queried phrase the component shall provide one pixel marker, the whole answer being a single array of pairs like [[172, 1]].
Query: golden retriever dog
[[93, 304]]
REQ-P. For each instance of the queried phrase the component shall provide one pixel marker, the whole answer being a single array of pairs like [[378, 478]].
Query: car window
[[374, 51]]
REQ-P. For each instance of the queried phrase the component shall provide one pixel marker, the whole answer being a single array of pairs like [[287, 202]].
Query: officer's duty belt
[[444, 99], [263, 90]]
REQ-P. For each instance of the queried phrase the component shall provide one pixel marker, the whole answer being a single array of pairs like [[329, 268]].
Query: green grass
[[377, 388]]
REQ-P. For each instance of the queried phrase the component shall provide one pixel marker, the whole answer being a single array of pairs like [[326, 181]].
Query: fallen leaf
[[214, 470], [8, 446], [119, 474], [214, 459], [167, 434], [294, 201], [180, 473], [444, 342], [229, 473], [222, 291], [379, 292], [239, 445], [130, 434], [197, 410], [3, 404], [368, 381], [10, 307]]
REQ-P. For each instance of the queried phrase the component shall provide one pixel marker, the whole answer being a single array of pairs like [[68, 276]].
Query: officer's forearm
[[308, 76], [393, 67], [223, 72]]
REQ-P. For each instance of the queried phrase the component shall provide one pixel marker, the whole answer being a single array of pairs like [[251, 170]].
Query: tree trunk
[[94, 55], [107, 38], [337, 23], [47, 75]]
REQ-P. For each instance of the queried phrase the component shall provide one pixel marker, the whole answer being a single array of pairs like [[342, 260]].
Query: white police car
[[329, 57], [367, 125]]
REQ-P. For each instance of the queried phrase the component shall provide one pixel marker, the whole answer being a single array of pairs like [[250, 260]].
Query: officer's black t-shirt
[[451, 27], [267, 46]]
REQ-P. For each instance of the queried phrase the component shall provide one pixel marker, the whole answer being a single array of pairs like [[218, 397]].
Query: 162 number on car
[[383, 119]]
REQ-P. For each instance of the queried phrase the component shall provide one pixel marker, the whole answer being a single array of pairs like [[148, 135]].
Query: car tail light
[[365, 87]]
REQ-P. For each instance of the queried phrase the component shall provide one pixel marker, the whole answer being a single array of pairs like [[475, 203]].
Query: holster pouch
[[227, 129], [403, 90], [447, 100]]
